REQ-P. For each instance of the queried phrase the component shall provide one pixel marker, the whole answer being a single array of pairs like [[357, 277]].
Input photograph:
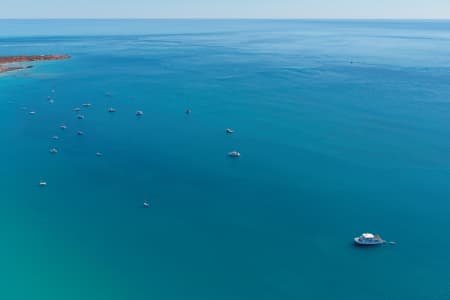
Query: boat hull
[[360, 242]]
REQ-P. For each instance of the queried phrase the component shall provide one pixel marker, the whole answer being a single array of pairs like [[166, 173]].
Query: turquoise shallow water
[[343, 127]]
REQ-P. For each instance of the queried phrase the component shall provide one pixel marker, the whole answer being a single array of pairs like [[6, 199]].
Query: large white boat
[[369, 239]]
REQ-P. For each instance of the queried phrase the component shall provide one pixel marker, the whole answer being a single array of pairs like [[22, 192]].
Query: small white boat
[[111, 110], [63, 126], [55, 137], [80, 117], [51, 101], [139, 113], [229, 131], [86, 104], [32, 112], [146, 204], [77, 109], [80, 132], [53, 151], [369, 239], [42, 183], [99, 154], [234, 154]]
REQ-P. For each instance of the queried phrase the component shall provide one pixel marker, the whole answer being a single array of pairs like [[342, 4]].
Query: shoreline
[[24, 58]]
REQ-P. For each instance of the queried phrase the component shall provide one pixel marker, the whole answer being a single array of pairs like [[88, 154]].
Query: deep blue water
[[343, 126]]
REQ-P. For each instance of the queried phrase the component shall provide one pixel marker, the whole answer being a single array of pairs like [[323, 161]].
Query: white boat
[[80, 117], [55, 137], [86, 104], [234, 154], [32, 112], [369, 239], [146, 204], [53, 151], [77, 109], [111, 110], [99, 154], [63, 126], [42, 183], [229, 131], [139, 113], [80, 132]]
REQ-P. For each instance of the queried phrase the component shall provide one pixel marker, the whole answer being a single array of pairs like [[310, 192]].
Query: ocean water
[[343, 126]]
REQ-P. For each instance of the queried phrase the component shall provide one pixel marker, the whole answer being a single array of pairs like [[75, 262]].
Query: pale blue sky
[[423, 9]]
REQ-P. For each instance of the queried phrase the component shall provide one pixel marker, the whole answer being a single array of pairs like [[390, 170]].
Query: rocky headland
[[4, 60]]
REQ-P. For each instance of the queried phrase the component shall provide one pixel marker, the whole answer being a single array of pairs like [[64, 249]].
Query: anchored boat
[[369, 239], [234, 154], [229, 130]]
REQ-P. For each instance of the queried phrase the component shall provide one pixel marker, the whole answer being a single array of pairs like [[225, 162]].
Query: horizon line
[[231, 18]]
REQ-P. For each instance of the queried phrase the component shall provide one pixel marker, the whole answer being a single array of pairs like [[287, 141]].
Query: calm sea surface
[[343, 126]]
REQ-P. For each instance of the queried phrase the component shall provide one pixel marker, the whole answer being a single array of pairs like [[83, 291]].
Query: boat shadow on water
[[366, 247]]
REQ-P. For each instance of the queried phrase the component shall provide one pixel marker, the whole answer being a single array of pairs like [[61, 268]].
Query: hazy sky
[[428, 9]]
